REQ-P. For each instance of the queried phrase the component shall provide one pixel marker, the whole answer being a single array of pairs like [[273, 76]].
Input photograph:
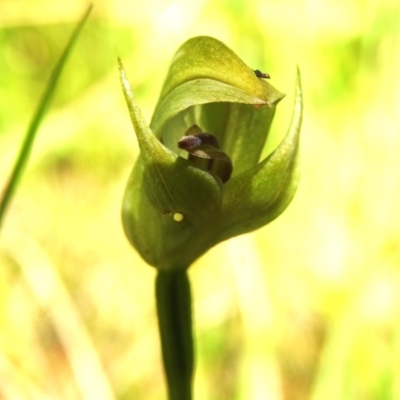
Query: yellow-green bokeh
[[305, 308]]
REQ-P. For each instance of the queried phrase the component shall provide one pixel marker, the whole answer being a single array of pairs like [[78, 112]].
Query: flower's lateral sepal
[[259, 195], [167, 200]]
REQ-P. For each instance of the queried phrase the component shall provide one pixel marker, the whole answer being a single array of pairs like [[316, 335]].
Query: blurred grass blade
[[52, 295], [36, 120]]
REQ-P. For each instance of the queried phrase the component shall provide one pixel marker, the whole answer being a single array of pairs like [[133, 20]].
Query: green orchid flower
[[199, 180]]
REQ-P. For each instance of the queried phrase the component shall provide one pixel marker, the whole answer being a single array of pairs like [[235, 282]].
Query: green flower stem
[[175, 324]]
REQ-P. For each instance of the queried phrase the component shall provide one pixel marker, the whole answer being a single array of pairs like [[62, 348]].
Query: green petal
[[204, 57], [257, 196], [168, 202], [197, 92]]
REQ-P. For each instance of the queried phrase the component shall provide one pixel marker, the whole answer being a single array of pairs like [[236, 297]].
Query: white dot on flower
[[178, 217]]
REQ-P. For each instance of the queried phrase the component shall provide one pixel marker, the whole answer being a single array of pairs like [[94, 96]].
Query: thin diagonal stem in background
[[27, 144]]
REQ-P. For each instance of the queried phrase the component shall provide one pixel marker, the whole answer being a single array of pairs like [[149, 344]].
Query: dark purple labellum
[[260, 74], [196, 140], [203, 149]]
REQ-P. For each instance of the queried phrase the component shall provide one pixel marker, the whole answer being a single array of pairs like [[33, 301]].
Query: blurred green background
[[306, 308]]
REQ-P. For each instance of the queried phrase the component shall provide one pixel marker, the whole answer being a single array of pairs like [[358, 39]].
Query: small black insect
[[260, 74]]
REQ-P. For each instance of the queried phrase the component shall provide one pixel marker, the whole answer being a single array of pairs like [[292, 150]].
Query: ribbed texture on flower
[[173, 209]]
